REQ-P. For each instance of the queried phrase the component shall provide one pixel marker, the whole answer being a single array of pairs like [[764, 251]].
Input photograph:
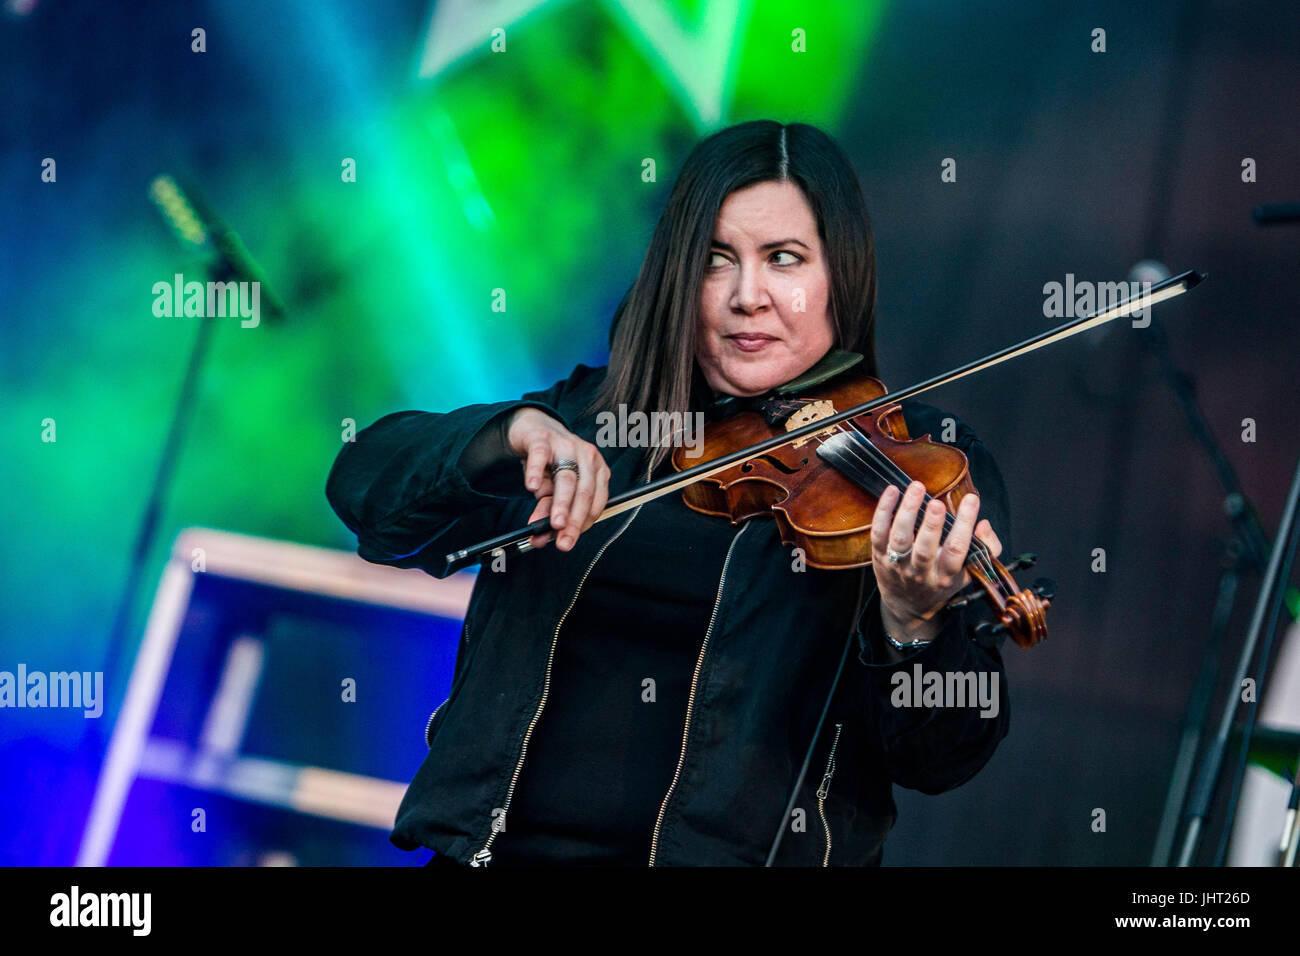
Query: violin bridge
[[812, 412]]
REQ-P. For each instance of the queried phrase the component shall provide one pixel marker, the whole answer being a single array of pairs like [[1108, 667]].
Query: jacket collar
[[833, 363]]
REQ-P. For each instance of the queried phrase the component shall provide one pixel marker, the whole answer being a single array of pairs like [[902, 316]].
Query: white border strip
[[341, 574], [281, 564]]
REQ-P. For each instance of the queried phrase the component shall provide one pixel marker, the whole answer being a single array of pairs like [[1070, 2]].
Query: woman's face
[[766, 292]]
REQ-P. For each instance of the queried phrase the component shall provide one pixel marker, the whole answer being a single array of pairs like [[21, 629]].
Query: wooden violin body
[[822, 489], [816, 507]]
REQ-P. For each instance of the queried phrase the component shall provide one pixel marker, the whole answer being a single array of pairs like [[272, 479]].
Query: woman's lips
[[751, 342]]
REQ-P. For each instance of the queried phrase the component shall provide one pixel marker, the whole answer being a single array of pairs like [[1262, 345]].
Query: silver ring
[[896, 556], [565, 464]]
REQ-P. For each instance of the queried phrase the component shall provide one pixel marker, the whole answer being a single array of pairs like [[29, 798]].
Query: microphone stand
[[182, 414], [93, 745], [224, 259], [1269, 606], [1291, 825], [1246, 549]]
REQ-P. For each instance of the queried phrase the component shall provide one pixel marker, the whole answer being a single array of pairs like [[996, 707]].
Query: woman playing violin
[[666, 687]]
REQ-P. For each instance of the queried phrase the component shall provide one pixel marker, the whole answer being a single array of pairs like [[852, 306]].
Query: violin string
[[979, 553], [861, 449], [864, 444]]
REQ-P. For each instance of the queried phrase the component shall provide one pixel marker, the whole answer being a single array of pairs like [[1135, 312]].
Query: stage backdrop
[[451, 214]]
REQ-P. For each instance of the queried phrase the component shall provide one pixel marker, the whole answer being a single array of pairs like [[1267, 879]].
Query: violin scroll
[[1021, 613]]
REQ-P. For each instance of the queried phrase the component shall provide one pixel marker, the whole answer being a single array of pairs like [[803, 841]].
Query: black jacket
[[779, 643]]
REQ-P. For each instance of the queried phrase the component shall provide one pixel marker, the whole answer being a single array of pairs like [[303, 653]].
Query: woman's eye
[[719, 261]]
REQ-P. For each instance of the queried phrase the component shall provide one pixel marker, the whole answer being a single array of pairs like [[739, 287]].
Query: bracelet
[[909, 646]]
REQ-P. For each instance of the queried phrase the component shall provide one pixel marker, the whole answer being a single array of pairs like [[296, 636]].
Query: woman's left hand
[[914, 590]]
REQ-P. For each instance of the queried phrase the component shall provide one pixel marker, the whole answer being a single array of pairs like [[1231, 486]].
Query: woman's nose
[[750, 292]]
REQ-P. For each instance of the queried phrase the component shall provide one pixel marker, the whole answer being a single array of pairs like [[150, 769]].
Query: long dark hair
[[652, 341]]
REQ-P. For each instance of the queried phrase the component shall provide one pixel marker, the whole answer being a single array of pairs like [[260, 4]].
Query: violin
[[822, 489], [753, 472]]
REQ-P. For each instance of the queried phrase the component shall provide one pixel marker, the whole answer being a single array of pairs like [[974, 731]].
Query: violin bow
[[1160, 292]]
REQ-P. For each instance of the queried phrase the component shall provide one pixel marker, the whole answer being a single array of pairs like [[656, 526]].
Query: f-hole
[[775, 463]]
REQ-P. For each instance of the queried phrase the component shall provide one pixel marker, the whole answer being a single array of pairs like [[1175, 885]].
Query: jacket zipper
[[464, 634], [484, 855], [429, 726], [690, 701], [824, 790]]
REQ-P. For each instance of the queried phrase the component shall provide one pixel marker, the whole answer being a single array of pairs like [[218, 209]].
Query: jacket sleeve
[[416, 485], [928, 748]]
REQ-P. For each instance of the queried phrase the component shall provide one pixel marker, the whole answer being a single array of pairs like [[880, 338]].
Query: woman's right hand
[[573, 501]]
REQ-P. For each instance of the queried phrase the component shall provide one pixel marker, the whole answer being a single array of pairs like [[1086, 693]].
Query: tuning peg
[[1026, 560], [965, 596], [1045, 588], [989, 629]]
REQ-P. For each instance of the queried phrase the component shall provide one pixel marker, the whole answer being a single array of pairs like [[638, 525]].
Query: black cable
[[821, 721]]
